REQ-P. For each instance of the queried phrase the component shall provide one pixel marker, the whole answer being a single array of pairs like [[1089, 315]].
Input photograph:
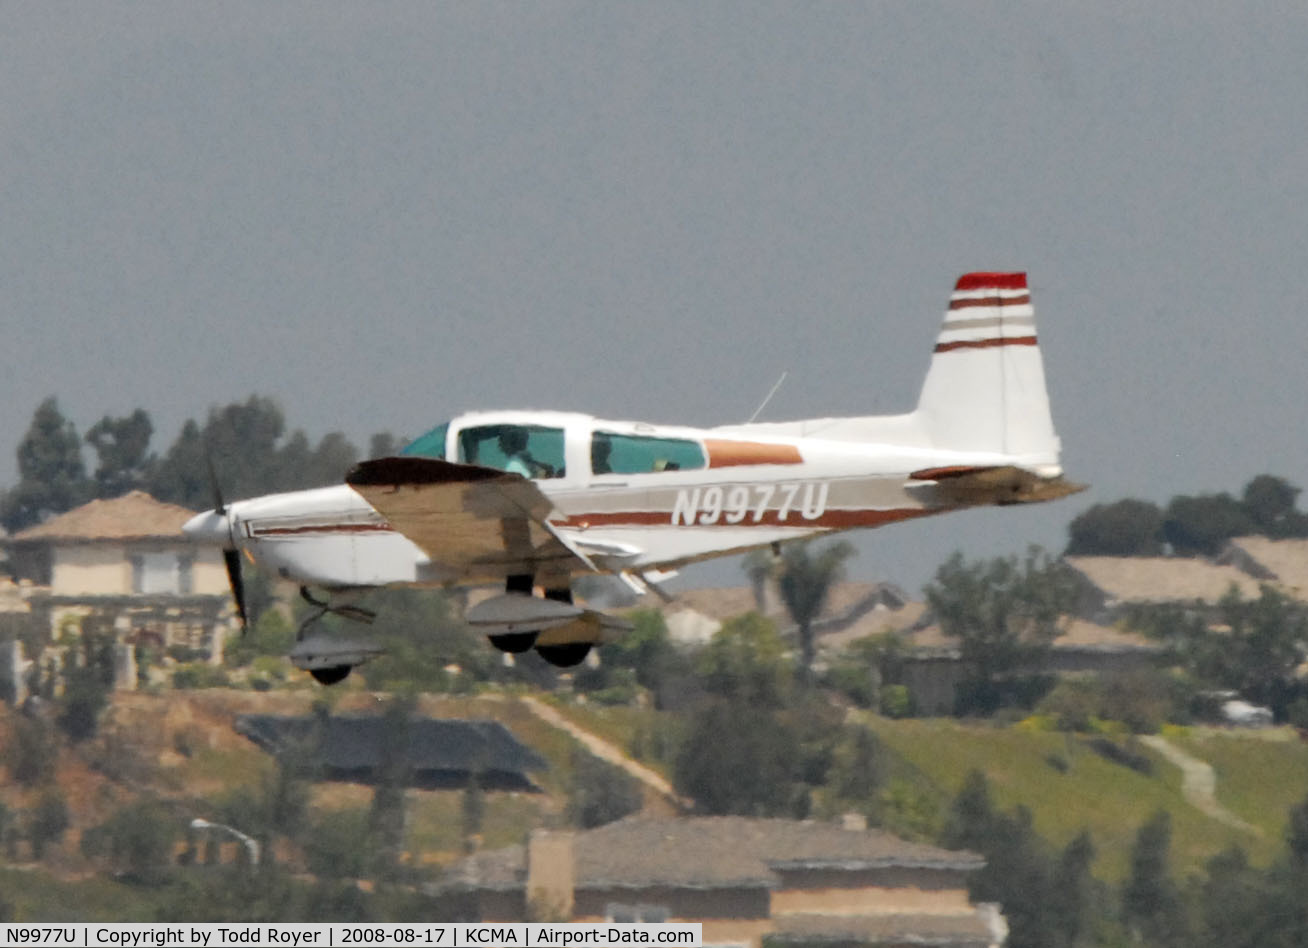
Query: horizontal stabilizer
[[993, 485]]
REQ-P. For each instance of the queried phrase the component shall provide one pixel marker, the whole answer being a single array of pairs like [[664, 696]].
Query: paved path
[[1198, 783], [606, 751]]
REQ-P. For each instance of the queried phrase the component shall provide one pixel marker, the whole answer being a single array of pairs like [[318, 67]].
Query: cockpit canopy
[[540, 451]]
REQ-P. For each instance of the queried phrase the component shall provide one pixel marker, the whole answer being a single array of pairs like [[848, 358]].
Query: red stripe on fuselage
[[320, 529]]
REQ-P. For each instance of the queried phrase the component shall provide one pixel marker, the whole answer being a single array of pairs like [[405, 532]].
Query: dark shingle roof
[[440, 752]]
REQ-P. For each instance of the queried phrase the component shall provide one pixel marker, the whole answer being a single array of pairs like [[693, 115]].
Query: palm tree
[[804, 581]]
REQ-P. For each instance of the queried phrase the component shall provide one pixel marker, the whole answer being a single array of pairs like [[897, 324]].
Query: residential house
[[125, 564], [1283, 563], [1112, 585], [695, 614], [743, 879]]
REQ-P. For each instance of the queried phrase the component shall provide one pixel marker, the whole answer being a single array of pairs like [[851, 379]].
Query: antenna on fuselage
[[759, 410]]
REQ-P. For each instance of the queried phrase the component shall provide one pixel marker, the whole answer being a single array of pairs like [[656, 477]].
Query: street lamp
[[251, 844]]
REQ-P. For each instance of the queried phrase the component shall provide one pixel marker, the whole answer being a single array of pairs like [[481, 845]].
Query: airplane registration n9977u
[[531, 500]]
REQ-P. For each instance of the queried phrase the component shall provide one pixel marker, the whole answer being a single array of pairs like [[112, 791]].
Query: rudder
[[985, 389]]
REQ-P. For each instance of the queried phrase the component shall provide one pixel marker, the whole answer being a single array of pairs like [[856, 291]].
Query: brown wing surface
[[480, 521]]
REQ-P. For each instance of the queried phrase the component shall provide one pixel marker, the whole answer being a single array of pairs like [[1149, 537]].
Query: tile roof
[[134, 516], [1285, 560], [846, 603], [1149, 579], [712, 852]]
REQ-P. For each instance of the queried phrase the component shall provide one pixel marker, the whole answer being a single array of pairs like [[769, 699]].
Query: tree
[[1201, 525], [649, 653], [738, 759], [746, 661], [1073, 893], [340, 844], [600, 793], [422, 636], [88, 679], [1151, 903], [251, 455], [1125, 528], [52, 475], [857, 771], [384, 445], [122, 446], [32, 752], [1005, 615], [137, 841], [1261, 652], [48, 821], [1236, 905], [1019, 870], [1270, 503], [804, 583]]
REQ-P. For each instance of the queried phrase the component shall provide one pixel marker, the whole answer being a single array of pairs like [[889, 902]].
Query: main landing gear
[[514, 640]]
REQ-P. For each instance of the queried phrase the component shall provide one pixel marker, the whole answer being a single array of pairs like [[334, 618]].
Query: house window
[[156, 574]]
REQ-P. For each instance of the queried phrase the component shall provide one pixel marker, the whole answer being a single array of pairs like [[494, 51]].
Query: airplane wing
[[483, 522], [994, 485]]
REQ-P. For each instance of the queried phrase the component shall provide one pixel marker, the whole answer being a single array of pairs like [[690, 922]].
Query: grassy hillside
[[1260, 774], [1068, 786]]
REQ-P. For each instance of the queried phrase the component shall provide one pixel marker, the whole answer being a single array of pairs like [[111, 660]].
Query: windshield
[[430, 445]]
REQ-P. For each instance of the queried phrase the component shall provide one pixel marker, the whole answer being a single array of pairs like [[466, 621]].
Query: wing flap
[[478, 520]]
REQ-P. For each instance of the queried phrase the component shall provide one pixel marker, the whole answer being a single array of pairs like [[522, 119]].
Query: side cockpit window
[[430, 445], [612, 453], [530, 450]]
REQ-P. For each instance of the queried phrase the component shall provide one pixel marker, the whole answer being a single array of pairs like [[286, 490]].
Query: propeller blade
[[233, 560], [218, 505]]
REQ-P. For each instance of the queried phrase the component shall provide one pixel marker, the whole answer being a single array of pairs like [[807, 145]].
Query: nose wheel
[[327, 659]]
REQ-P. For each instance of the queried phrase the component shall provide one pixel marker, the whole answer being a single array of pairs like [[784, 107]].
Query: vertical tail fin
[[985, 389]]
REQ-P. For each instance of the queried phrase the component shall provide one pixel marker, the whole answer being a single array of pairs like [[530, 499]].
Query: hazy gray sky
[[382, 214]]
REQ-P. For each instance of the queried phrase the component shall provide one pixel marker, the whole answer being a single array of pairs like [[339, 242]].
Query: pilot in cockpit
[[518, 460]]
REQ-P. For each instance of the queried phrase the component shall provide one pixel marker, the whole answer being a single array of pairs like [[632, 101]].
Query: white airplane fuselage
[[755, 490]]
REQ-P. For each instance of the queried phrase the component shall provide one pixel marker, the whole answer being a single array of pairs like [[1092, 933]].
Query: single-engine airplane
[[531, 500]]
